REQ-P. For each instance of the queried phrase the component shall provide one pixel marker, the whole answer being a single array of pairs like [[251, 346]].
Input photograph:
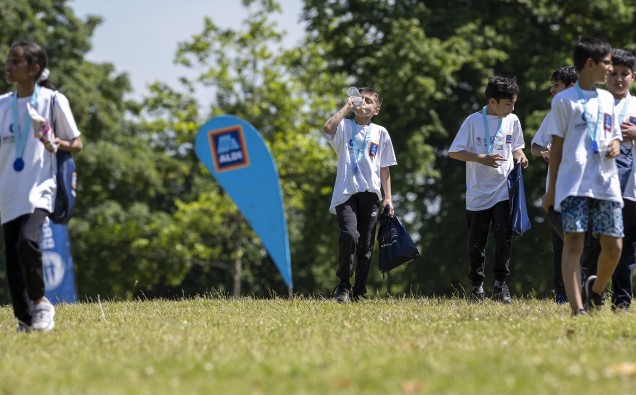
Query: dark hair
[[372, 91], [500, 87], [589, 48], [566, 74], [35, 54], [623, 57]]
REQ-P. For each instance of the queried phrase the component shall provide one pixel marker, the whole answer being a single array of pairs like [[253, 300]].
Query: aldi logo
[[228, 148]]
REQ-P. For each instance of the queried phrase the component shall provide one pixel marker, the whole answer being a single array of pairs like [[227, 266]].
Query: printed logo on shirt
[[350, 145], [11, 128], [607, 122], [373, 150], [228, 148], [508, 139]]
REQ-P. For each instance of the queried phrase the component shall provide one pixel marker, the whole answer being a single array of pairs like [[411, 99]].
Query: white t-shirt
[[543, 137], [21, 192], [629, 115], [377, 153], [487, 186], [580, 168]]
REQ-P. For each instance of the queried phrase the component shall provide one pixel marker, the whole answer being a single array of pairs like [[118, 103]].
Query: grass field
[[315, 346]]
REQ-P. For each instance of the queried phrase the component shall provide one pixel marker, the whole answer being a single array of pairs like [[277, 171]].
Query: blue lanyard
[[484, 117], [588, 118], [21, 129], [357, 152]]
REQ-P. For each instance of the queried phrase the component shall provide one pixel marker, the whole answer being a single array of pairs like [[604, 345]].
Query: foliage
[[432, 60]]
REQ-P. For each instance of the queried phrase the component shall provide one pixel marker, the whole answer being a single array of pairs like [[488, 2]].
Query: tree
[[432, 60]]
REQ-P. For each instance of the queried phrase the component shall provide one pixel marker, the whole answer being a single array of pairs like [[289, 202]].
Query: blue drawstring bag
[[519, 220], [66, 182], [396, 246]]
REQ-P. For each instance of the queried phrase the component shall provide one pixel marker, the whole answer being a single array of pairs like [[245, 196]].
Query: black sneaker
[[358, 297], [477, 296], [561, 298], [591, 301], [342, 294], [502, 294]]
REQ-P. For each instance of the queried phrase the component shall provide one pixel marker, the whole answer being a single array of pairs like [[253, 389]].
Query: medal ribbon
[[21, 130], [357, 152], [484, 117]]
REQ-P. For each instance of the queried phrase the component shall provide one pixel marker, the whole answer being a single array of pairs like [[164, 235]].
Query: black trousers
[[622, 292], [24, 261], [557, 254], [356, 219], [496, 220]]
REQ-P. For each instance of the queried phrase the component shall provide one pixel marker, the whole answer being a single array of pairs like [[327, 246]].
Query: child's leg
[[367, 217], [478, 225], [608, 259], [622, 279], [571, 268], [607, 219], [503, 236], [574, 214], [557, 253], [347, 214]]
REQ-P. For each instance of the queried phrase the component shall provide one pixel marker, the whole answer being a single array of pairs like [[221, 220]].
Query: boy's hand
[[491, 160], [523, 160], [390, 204], [613, 149], [628, 130]]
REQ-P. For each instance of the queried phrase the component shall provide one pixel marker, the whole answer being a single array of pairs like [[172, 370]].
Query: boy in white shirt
[[490, 141], [562, 78], [619, 81], [365, 153], [584, 182]]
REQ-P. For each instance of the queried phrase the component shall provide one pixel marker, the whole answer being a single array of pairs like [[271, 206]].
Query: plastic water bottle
[[354, 93], [608, 165]]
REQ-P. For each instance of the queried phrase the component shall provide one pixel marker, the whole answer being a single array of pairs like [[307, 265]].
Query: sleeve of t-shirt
[[388, 155], [65, 126], [461, 142], [560, 117], [543, 136], [517, 135]]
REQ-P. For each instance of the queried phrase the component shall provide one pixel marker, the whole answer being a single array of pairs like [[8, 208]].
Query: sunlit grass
[[220, 345]]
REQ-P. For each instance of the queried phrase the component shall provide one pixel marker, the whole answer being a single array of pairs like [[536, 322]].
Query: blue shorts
[[606, 216]]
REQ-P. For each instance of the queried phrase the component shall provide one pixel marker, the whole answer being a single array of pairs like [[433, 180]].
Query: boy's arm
[[556, 154], [537, 149], [333, 122], [520, 157], [385, 179], [490, 160]]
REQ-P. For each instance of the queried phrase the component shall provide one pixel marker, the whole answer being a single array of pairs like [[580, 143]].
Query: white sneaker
[[42, 316]]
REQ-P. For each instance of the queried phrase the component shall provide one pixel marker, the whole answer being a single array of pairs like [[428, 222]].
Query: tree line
[[151, 221]]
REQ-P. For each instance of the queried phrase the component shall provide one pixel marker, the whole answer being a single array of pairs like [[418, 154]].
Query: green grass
[[315, 346]]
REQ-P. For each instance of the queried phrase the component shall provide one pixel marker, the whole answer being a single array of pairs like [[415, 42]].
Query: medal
[[595, 147], [18, 164]]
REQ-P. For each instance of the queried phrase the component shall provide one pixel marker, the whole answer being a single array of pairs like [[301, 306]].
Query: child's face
[[502, 107], [17, 68], [369, 105], [600, 69], [557, 86], [619, 80]]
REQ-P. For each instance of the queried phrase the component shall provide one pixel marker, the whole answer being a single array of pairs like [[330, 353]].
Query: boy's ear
[[492, 101], [377, 110]]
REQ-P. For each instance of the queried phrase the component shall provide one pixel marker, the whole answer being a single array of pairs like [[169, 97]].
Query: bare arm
[[490, 160], [332, 123], [536, 149], [556, 153], [385, 179], [74, 145]]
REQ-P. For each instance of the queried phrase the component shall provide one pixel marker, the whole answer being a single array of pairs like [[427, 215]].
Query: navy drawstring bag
[[519, 220], [396, 245], [66, 182]]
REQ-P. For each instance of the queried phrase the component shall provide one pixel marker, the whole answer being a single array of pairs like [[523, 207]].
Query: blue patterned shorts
[[606, 216]]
